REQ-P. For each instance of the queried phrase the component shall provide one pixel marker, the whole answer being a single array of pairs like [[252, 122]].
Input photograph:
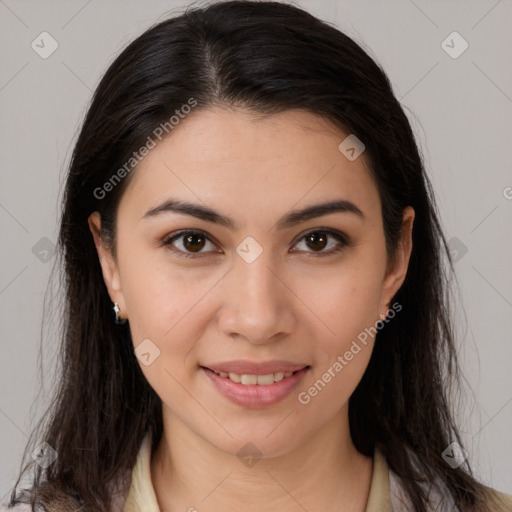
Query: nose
[[258, 305]]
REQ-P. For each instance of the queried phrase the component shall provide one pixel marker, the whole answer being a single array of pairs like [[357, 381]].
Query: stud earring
[[118, 320]]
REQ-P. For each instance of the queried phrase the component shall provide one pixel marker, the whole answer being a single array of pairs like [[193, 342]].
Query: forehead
[[252, 163]]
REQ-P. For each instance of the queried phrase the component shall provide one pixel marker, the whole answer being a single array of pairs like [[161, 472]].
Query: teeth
[[235, 377], [265, 380], [251, 380]]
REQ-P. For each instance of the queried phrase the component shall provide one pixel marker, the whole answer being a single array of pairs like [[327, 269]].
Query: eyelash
[[343, 239]]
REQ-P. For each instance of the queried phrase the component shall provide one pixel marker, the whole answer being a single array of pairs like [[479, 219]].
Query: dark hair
[[267, 57]]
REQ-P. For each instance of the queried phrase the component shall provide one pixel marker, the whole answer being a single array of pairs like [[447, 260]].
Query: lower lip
[[255, 396]]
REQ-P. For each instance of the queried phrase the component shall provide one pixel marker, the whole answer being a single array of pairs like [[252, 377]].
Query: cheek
[[156, 293], [166, 310], [341, 357], [168, 304], [351, 309], [161, 306], [348, 303]]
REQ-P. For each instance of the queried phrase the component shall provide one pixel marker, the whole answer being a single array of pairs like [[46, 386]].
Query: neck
[[325, 471]]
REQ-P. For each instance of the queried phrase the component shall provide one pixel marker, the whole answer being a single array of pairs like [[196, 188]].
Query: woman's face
[[264, 291]]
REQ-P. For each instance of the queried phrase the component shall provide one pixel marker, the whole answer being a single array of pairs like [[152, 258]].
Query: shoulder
[[22, 504], [500, 501], [51, 500], [439, 500], [45, 501], [20, 507]]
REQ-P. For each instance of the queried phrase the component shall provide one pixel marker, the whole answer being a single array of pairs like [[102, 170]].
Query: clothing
[[142, 498], [386, 493], [136, 492]]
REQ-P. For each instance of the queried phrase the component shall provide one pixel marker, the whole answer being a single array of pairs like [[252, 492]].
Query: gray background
[[460, 109]]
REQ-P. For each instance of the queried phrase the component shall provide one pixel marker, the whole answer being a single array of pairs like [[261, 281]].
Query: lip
[[255, 396], [242, 366]]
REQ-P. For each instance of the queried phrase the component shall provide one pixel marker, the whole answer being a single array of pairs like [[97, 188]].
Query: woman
[[256, 313]]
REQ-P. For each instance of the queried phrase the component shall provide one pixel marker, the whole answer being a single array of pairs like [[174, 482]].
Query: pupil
[[314, 238], [191, 240]]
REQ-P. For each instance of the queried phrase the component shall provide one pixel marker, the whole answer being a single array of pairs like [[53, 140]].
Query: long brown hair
[[268, 57]]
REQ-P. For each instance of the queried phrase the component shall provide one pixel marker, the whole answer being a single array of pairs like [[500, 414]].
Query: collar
[[142, 497]]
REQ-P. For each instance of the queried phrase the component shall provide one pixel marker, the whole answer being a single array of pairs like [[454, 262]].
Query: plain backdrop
[[459, 104]]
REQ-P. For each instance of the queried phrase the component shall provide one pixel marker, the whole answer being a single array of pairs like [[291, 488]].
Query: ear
[[108, 264], [397, 268]]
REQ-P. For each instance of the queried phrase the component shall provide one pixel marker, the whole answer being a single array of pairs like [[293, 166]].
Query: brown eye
[[193, 242], [316, 241], [189, 243]]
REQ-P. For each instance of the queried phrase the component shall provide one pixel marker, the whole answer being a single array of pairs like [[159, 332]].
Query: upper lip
[[244, 367]]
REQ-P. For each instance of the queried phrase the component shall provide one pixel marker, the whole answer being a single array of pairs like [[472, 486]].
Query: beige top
[[142, 498], [386, 494], [136, 494]]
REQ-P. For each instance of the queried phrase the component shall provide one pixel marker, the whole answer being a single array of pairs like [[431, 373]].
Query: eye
[[318, 240], [191, 242]]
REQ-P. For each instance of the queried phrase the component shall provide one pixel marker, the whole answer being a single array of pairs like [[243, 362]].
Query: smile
[[255, 391], [251, 380]]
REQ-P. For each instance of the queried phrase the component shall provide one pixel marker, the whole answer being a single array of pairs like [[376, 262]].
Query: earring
[[118, 320]]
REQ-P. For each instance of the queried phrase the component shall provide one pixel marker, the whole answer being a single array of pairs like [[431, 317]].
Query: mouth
[[255, 390], [248, 379]]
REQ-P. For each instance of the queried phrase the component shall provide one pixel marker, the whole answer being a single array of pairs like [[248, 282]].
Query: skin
[[287, 304]]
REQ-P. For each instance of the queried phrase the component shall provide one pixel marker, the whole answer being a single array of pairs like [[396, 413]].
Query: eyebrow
[[291, 219]]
